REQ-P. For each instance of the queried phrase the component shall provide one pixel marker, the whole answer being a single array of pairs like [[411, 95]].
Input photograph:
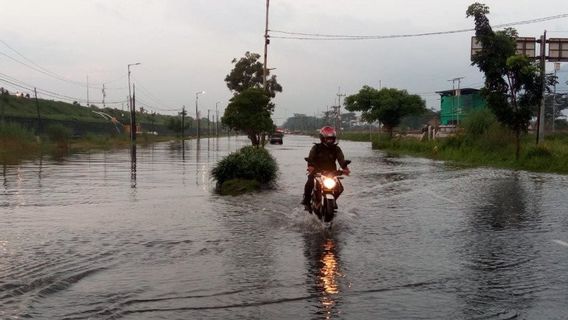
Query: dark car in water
[[276, 137]]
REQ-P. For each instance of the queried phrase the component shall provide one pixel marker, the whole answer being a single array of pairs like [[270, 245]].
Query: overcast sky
[[185, 46]]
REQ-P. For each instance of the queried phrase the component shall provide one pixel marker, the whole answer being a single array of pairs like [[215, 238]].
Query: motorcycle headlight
[[328, 183]]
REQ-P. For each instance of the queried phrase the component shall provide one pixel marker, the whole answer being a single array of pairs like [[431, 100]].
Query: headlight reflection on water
[[329, 273]]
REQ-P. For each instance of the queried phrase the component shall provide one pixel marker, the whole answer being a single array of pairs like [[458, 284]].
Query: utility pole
[[338, 111], [458, 94], [266, 42], [104, 96], [87, 91], [197, 111], [2, 105], [540, 117], [131, 107], [556, 68], [38, 116]]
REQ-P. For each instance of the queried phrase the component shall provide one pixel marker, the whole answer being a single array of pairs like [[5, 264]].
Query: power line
[[148, 93], [319, 36], [26, 86], [36, 67]]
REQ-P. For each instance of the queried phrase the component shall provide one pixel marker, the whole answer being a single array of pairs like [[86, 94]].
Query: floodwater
[[97, 236]]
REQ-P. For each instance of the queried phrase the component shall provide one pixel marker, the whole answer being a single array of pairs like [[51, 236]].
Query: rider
[[323, 157]]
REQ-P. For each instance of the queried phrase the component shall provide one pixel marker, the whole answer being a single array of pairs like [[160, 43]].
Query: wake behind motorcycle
[[327, 188]]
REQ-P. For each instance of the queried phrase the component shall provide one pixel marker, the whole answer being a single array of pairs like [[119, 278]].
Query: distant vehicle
[[276, 137]]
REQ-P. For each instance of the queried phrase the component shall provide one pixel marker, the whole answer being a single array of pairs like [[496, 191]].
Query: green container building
[[455, 108]]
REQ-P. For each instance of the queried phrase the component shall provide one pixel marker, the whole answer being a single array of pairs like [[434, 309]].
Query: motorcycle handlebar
[[335, 173]]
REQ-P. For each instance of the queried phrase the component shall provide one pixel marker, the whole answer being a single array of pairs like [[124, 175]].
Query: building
[[456, 106]]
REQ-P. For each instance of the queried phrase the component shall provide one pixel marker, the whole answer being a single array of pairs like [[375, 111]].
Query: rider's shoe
[[306, 203]]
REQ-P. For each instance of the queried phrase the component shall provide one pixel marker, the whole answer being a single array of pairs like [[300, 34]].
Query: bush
[[540, 151], [16, 143], [497, 139], [478, 123], [249, 163], [59, 134]]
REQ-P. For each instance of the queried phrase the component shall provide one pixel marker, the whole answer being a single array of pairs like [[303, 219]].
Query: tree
[[387, 105], [417, 121], [175, 123], [512, 82], [248, 73], [557, 102], [249, 112], [302, 122]]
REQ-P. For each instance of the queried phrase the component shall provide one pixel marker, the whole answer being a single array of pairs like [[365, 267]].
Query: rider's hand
[[310, 169], [346, 171]]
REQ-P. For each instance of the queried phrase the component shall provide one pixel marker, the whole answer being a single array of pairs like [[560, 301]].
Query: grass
[[18, 144], [550, 156], [356, 136]]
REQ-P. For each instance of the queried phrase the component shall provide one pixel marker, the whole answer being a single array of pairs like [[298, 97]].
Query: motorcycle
[[327, 187]]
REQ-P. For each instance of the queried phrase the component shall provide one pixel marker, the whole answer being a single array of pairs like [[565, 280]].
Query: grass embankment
[[482, 142], [245, 170], [550, 156], [28, 108]]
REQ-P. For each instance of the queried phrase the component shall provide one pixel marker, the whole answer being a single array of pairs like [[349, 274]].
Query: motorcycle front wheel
[[328, 210]]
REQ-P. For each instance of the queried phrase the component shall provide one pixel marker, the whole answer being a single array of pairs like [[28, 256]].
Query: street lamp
[[208, 123], [217, 119], [132, 111], [197, 109]]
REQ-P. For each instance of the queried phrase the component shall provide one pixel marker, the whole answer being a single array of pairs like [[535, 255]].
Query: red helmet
[[327, 135]]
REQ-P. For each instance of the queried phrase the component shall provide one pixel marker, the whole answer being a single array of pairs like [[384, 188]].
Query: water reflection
[[323, 273], [5, 176], [133, 165], [501, 204], [197, 160], [501, 258]]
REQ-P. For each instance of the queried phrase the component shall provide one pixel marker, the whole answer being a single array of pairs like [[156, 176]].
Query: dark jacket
[[323, 157]]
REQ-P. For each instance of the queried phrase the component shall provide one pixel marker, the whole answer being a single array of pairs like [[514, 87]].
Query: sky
[[186, 46]]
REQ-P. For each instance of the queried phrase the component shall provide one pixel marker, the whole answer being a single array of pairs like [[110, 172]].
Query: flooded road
[[95, 236]]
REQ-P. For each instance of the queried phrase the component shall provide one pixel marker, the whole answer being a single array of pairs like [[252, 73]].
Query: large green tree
[[512, 82], [248, 72], [387, 105], [250, 112]]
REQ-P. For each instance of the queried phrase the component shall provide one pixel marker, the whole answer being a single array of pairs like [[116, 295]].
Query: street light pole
[[130, 106], [217, 119], [197, 110], [208, 124]]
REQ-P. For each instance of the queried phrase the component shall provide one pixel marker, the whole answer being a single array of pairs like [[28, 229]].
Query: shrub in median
[[248, 163]]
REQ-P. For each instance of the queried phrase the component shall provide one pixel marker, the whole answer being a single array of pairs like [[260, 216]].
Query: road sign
[[558, 49], [525, 46]]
